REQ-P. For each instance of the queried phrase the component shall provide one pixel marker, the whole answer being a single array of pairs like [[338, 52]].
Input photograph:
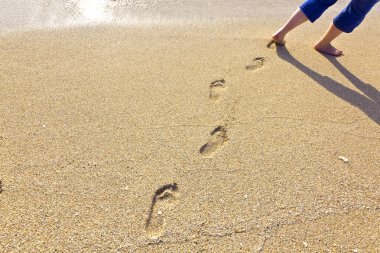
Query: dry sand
[[189, 139]]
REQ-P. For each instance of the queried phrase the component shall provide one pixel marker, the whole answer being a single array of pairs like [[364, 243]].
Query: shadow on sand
[[369, 104]]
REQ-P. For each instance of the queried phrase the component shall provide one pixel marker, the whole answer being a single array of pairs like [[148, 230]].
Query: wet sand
[[32, 14], [189, 138]]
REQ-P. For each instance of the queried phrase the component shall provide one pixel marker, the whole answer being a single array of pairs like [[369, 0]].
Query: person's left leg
[[346, 21], [295, 20]]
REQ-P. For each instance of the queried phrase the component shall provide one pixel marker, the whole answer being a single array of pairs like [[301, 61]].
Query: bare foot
[[328, 49], [279, 38]]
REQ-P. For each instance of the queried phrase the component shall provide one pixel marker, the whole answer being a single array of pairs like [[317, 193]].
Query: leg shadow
[[370, 91], [369, 105]]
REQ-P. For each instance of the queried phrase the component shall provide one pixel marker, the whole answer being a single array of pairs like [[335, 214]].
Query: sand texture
[[189, 139]]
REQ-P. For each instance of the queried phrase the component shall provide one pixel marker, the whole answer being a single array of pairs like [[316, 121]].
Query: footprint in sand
[[216, 89], [218, 139], [257, 63], [1, 186], [271, 44], [163, 199]]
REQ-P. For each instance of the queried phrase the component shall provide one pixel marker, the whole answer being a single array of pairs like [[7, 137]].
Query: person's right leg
[[309, 10]]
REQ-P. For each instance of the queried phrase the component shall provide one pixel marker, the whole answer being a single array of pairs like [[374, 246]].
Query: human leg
[[324, 45], [346, 21], [309, 10], [353, 14], [295, 20]]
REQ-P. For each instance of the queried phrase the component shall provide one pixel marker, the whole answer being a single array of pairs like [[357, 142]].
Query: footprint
[[257, 63], [165, 197], [216, 89], [1, 186], [218, 139]]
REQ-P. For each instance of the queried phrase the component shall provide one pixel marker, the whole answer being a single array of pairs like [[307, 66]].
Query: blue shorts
[[347, 20]]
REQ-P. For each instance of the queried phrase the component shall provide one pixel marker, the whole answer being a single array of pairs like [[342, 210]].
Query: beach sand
[[189, 138]]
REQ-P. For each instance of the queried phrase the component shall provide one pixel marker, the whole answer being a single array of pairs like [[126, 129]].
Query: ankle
[[320, 43], [279, 34]]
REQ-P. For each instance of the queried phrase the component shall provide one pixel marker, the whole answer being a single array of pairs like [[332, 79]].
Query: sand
[[189, 138]]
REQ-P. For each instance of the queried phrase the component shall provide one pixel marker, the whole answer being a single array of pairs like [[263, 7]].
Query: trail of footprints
[[219, 135], [166, 196]]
